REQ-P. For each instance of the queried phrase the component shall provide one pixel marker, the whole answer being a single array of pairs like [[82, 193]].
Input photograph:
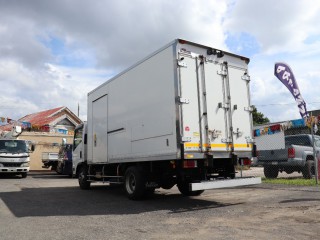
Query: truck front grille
[[11, 164]]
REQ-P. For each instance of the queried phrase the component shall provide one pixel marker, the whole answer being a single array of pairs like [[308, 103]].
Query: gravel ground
[[49, 206]]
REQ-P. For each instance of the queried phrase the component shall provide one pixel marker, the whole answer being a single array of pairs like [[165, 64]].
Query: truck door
[[189, 100], [240, 108], [78, 152], [99, 130], [227, 103], [214, 102]]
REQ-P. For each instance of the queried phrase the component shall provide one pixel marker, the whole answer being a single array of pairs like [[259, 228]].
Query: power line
[[282, 104]]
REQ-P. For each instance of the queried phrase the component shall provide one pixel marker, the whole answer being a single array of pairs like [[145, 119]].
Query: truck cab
[[14, 157]]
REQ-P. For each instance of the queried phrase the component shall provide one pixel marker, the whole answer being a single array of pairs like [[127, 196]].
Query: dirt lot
[[49, 206]]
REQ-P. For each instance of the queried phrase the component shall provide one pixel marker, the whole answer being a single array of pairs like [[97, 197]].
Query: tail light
[[291, 153], [190, 164], [246, 161]]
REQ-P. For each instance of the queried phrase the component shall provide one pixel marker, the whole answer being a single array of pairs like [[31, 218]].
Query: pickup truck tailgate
[[278, 155]]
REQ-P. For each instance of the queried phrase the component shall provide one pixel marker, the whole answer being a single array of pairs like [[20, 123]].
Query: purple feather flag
[[284, 73]]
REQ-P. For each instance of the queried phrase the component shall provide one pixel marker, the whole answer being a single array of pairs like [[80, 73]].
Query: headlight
[[1, 165], [26, 164]]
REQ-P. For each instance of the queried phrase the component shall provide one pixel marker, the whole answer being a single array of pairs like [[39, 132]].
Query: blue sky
[[243, 44], [74, 55], [52, 53]]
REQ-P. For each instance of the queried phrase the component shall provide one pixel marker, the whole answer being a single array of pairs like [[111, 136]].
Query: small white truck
[[15, 153], [181, 116]]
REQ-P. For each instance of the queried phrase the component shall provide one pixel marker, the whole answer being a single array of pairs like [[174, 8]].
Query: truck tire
[[167, 183], [271, 171], [24, 175], [184, 189], [135, 183], [308, 169], [83, 178]]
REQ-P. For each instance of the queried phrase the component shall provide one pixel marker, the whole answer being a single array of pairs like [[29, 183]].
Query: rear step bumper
[[225, 183]]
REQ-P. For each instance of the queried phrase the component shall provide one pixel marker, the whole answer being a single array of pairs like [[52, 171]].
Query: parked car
[[297, 156]]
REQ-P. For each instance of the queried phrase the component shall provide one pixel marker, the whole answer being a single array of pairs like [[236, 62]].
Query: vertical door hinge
[[246, 77], [249, 109], [184, 100], [182, 64], [222, 72]]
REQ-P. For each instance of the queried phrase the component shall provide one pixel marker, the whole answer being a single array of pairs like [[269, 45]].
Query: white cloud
[[52, 53], [279, 26], [285, 31]]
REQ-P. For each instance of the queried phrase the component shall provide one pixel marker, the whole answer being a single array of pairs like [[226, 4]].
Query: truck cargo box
[[185, 100]]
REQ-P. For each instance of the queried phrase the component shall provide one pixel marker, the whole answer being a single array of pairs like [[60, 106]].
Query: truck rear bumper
[[225, 183], [282, 163]]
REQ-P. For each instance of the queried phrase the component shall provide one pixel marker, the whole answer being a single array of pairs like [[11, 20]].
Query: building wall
[[44, 142]]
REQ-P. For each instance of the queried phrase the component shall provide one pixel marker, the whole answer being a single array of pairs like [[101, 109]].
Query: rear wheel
[[135, 183], [167, 183], [185, 190], [308, 169], [83, 178], [271, 172]]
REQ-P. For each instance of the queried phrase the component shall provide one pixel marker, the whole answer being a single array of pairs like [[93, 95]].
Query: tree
[[258, 117]]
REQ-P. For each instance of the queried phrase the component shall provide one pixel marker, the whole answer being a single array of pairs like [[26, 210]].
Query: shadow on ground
[[100, 200]]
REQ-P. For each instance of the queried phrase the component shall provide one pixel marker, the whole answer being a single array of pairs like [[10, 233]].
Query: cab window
[[77, 137]]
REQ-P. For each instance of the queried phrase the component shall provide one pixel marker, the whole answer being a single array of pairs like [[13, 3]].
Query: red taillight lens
[[246, 161], [190, 164], [291, 153]]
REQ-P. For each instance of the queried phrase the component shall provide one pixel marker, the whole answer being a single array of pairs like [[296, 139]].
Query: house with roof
[[57, 120], [46, 129]]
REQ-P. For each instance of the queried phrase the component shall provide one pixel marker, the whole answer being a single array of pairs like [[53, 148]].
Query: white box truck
[[15, 153], [180, 116]]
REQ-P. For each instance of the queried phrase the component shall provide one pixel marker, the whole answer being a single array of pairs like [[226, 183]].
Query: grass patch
[[291, 181]]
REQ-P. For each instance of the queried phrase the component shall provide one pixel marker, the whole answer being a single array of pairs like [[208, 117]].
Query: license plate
[[274, 163]]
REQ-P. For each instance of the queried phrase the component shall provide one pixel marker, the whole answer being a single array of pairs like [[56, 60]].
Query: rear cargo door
[[189, 100], [228, 114], [217, 107], [99, 130], [240, 108]]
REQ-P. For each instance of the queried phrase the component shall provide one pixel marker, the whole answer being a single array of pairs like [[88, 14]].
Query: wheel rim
[[131, 183], [81, 176]]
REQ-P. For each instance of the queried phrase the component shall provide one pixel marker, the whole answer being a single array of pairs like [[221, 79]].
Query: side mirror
[[32, 147]]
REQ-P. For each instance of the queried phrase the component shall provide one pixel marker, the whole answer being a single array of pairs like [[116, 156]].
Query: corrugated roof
[[44, 117]]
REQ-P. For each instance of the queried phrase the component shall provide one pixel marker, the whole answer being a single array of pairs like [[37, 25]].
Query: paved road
[[49, 206]]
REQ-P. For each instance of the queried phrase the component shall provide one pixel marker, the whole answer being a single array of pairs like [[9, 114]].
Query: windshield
[[13, 146], [302, 141], [77, 137]]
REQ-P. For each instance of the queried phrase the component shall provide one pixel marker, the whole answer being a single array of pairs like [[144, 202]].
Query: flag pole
[[314, 149]]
